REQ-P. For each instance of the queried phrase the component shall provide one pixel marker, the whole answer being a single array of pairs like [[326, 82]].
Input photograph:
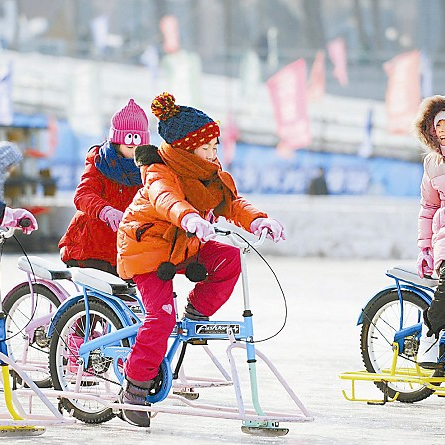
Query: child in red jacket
[[108, 184], [184, 188]]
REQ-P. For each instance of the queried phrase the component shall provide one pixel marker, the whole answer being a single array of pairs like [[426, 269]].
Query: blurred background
[[315, 99]]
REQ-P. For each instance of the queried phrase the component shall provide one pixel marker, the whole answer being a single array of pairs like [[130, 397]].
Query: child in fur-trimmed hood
[[429, 127]]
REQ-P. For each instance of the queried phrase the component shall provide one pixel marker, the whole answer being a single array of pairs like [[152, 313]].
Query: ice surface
[[319, 341]]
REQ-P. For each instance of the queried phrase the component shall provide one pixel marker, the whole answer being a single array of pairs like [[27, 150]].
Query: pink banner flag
[[317, 78], [170, 30], [337, 54], [6, 101], [403, 92], [287, 90], [229, 137]]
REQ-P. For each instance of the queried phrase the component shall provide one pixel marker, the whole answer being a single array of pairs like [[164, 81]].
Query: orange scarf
[[205, 185]]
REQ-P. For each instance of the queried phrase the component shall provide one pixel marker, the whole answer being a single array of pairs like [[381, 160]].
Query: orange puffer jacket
[[87, 237], [150, 232]]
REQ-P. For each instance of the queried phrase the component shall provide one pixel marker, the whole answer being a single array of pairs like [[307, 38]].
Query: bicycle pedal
[[189, 395], [438, 366], [197, 341], [88, 383]]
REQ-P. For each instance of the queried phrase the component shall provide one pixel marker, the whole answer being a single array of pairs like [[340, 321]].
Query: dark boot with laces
[[193, 314], [434, 316], [135, 395]]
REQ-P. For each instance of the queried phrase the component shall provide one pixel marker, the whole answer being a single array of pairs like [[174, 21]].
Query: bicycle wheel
[[380, 322], [29, 350], [99, 378]]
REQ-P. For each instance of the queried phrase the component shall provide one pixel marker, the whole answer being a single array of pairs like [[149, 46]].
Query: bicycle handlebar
[[9, 232], [24, 222], [239, 242]]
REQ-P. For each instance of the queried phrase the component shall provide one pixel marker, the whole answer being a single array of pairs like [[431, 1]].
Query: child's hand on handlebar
[[13, 218], [203, 229], [274, 228]]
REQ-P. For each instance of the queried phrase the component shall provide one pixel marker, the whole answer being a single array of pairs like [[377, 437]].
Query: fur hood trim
[[147, 155], [424, 121]]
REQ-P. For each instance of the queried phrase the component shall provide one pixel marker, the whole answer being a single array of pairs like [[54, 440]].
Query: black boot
[[135, 395], [434, 316], [193, 314]]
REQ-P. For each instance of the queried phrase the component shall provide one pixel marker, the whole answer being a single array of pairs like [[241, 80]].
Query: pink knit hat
[[129, 126]]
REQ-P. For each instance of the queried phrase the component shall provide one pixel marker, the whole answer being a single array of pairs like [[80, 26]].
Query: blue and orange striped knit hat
[[183, 127]]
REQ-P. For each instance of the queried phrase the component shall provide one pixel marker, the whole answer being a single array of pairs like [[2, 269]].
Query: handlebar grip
[[222, 232], [25, 222]]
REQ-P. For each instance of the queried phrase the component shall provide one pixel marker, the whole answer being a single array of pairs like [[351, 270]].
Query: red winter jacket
[[87, 237]]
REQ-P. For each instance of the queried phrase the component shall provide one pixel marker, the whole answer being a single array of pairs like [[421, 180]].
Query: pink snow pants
[[223, 265]]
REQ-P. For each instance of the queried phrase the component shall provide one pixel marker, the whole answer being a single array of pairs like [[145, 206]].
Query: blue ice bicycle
[[87, 371], [391, 325]]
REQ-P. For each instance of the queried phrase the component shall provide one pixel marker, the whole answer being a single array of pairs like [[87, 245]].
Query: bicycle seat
[[101, 281], [43, 268], [409, 274]]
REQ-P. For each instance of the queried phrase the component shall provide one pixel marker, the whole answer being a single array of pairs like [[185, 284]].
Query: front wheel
[[98, 378], [29, 347], [381, 320]]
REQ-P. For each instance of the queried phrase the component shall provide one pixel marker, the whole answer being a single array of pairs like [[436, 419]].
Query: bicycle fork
[[250, 426]]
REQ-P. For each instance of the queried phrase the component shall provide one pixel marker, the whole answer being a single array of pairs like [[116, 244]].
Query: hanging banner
[[366, 147], [338, 56], [229, 137], [403, 92], [6, 102], [170, 30], [287, 89], [317, 78], [84, 109], [99, 30]]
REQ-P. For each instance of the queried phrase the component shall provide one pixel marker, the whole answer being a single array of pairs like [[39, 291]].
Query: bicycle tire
[[19, 313], [380, 321], [62, 358]]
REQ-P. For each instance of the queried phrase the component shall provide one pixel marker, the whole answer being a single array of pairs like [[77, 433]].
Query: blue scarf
[[117, 168]]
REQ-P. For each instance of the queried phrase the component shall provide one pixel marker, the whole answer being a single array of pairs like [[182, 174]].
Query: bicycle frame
[[59, 291], [39, 272], [18, 422]]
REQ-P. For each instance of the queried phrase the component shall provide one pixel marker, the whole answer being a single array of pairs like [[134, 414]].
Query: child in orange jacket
[[108, 184], [184, 189]]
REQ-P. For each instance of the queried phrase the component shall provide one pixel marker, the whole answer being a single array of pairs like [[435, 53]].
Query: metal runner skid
[[419, 377], [187, 385]]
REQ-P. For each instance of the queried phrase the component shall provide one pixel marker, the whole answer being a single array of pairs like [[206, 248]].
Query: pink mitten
[[12, 218], [111, 216], [425, 262], [274, 228], [193, 223]]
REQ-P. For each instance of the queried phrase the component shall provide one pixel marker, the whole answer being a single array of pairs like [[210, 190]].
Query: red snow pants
[[223, 265]]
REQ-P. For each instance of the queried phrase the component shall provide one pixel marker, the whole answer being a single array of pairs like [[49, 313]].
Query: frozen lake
[[320, 341]]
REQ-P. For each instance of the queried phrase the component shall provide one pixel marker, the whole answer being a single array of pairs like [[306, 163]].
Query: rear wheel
[[380, 322], [29, 348], [99, 378]]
